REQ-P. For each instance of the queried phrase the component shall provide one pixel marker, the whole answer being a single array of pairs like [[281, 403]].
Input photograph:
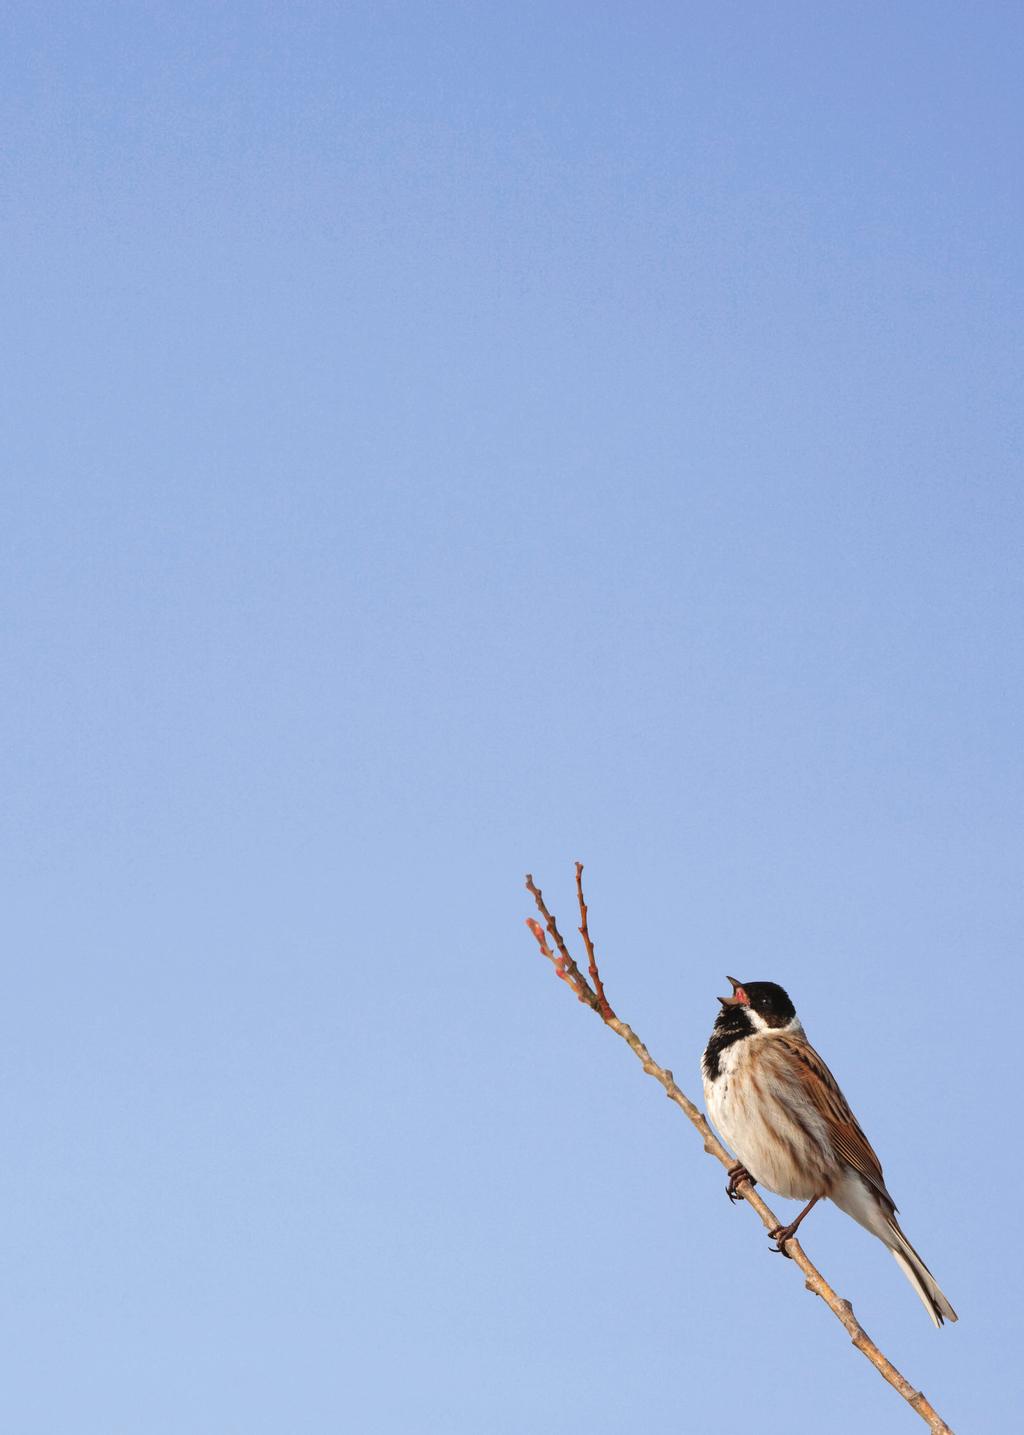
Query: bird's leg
[[782, 1234], [737, 1175]]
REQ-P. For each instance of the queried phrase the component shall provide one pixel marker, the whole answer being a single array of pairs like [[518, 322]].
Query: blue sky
[[450, 440]]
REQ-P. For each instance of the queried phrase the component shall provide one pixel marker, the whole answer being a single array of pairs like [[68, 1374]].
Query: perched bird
[[775, 1102]]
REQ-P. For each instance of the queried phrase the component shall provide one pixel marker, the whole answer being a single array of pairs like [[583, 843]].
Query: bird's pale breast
[[773, 1129]]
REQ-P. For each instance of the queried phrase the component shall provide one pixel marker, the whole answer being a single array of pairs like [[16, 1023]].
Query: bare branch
[[593, 994], [584, 930], [563, 963], [542, 941]]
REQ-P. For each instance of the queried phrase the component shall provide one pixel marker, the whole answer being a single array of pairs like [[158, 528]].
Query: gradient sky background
[[445, 441]]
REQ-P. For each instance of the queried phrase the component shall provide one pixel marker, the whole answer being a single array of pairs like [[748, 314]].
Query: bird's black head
[[757, 1004], [753, 1007]]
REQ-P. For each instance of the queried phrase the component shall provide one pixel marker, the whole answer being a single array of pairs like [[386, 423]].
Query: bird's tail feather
[[920, 1277]]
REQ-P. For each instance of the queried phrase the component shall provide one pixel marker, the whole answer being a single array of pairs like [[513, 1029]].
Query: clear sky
[[449, 440]]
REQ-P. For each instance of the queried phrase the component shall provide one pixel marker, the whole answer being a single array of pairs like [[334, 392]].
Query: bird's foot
[[780, 1235], [737, 1175]]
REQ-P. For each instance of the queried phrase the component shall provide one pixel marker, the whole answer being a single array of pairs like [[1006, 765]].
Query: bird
[[776, 1104]]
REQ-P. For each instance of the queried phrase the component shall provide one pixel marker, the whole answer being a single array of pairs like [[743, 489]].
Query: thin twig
[[563, 963], [593, 996], [595, 976]]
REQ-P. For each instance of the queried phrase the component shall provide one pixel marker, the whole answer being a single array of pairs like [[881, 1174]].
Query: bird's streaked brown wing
[[848, 1141]]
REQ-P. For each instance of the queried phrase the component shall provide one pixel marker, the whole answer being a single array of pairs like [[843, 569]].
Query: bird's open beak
[[739, 996]]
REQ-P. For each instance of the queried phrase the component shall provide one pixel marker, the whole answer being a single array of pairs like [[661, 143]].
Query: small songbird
[[775, 1102]]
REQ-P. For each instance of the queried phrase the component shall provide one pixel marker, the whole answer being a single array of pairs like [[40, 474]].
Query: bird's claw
[[780, 1235], [737, 1175]]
